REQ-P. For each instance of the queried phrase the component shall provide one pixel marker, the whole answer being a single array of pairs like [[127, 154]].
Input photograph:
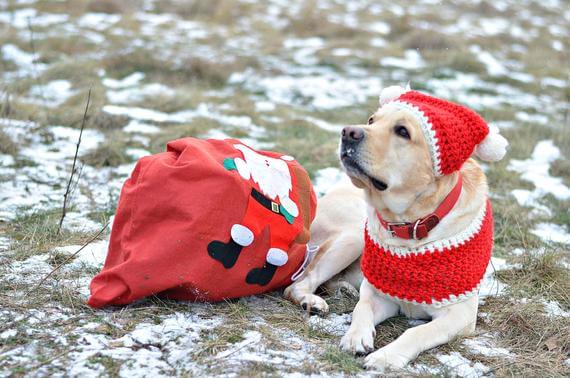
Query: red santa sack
[[207, 220]]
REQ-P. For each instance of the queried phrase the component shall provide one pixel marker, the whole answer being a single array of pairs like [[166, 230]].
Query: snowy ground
[[285, 76]]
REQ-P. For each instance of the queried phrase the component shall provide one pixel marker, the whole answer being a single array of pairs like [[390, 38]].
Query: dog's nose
[[352, 134]]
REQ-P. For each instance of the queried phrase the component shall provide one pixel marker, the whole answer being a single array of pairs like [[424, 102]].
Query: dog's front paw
[[386, 358], [314, 304], [358, 340]]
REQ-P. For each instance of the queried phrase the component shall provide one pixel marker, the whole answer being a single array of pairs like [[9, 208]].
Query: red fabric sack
[[207, 220]]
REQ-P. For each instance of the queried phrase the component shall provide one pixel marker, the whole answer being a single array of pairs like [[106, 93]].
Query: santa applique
[[273, 203]]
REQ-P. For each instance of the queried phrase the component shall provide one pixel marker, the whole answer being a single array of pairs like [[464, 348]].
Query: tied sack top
[[439, 273]]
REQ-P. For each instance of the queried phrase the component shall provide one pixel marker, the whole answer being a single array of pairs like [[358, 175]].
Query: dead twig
[[68, 188], [67, 260]]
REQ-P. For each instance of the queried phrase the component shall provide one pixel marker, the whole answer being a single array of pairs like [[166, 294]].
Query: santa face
[[272, 175]]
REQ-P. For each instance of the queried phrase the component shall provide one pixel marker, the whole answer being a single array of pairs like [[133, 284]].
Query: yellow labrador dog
[[409, 165]]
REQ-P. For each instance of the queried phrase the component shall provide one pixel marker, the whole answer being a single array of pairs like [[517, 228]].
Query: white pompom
[[391, 93], [493, 147]]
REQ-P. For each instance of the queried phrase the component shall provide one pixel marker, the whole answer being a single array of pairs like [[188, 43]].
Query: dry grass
[[538, 342], [7, 145], [110, 153], [541, 274]]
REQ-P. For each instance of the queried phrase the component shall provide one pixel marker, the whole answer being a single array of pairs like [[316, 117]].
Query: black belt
[[266, 202]]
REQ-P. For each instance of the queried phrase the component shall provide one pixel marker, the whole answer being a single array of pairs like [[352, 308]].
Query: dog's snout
[[352, 134]]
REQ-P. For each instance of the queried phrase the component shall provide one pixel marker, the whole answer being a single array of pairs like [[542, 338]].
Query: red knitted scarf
[[438, 273]]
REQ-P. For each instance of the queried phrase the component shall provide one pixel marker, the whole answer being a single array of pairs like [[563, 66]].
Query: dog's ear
[[493, 147]]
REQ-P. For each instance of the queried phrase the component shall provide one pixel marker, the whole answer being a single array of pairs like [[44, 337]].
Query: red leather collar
[[421, 227]]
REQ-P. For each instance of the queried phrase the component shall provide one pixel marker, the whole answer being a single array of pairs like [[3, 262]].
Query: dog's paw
[[386, 358], [314, 304], [358, 340], [349, 290]]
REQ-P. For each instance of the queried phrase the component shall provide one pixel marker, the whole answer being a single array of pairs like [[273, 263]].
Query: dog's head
[[387, 156], [412, 141]]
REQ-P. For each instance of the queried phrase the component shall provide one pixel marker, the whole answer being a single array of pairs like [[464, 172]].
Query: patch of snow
[[135, 126], [412, 60], [129, 95], [5, 243], [8, 334], [77, 222], [26, 62], [327, 178], [461, 366], [264, 106], [33, 268], [250, 338], [532, 118], [137, 153], [326, 91], [379, 27], [98, 21], [484, 345], [6, 160], [128, 81], [554, 310], [550, 232], [553, 82], [142, 114], [536, 170], [378, 42], [334, 128], [93, 254], [336, 324], [51, 94], [494, 66], [18, 18], [490, 286]]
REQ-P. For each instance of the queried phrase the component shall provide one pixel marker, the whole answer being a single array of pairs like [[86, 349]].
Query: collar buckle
[[391, 227]]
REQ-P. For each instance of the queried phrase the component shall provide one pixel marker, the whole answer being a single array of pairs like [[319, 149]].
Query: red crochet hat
[[452, 131]]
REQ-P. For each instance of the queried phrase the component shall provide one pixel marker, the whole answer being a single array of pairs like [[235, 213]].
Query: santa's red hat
[[453, 132]]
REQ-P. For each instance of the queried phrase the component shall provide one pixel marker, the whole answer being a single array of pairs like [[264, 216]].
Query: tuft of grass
[[311, 23], [36, 233], [337, 360], [422, 40], [105, 121], [109, 154], [197, 127], [218, 339], [7, 145], [302, 137], [390, 330], [538, 342], [194, 70], [511, 227], [540, 273]]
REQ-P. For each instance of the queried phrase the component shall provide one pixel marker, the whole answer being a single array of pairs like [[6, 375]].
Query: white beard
[[272, 175]]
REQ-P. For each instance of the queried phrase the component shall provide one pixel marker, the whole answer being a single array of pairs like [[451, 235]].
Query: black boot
[[261, 276], [226, 253]]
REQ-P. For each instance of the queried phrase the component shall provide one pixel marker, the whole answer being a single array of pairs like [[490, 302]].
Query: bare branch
[[68, 188]]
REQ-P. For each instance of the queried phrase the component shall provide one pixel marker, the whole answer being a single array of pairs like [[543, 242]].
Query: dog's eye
[[371, 120], [402, 131]]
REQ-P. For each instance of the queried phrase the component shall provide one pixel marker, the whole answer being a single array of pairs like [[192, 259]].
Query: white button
[[276, 256], [242, 235]]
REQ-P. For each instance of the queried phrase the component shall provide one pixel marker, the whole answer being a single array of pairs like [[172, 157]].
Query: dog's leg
[[370, 310], [343, 251], [448, 323]]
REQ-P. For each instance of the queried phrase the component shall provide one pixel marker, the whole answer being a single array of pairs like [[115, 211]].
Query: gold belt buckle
[[275, 207]]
